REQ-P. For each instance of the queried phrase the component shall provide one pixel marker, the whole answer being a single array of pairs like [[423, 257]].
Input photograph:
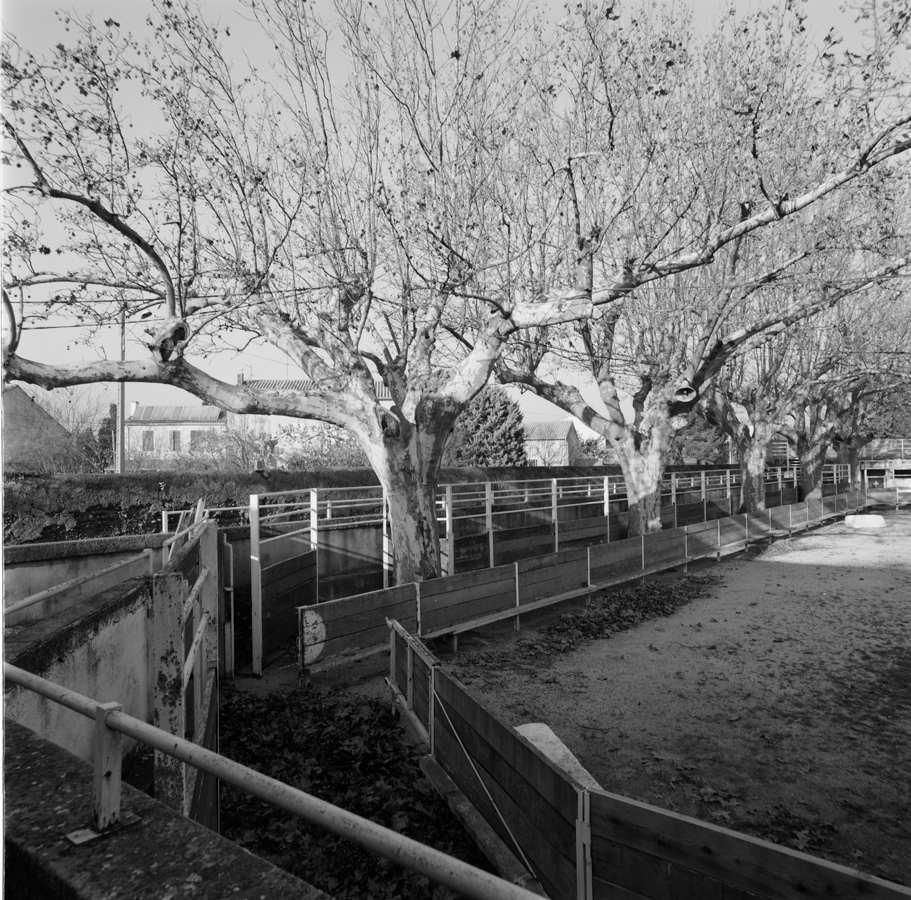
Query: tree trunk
[[812, 462], [407, 462], [643, 469], [752, 450]]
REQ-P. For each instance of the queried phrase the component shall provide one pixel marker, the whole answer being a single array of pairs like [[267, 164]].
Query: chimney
[[133, 407], [240, 376]]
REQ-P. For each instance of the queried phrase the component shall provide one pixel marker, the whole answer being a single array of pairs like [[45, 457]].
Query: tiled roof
[[548, 431], [305, 384], [177, 415]]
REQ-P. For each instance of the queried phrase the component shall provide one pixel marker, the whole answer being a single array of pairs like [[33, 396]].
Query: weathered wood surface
[[204, 806], [799, 519], [690, 855], [285, 587], [520, 543], [460, 598], [535, 798], [733, 531], [663, 548], [758, 526], [701, 539], [555, 573], [717, 508], [688, 513], [616, 559], [344, 627], [780, 518]]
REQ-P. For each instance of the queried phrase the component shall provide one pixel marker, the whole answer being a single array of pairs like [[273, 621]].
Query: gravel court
[[778, 704]]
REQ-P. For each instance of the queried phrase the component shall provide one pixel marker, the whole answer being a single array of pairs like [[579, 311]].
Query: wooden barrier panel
[[286, 586], [485, 757], [610, 561], [420, 689], [556, 573], [331, 632], [789, 495], [643, 851], [665, 548], [204, 806], [446, 602], [732, 532], [521, 543], [758, 525], [587, 531], [689, 513], [799, 516], [701, 540], [816, 510], [718, 508], [780, 519]]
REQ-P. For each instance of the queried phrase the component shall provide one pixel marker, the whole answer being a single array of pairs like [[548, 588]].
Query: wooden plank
[[758, 524], [455, 614], [733, 530], [531, 822], [290, 582], [780, 517], [665, 546], [815, 510], [548, 779], [799, 515], [746, 863], [570, 528], [290, 567], [616, 552], [689, 512], [561, 580], [549, 560], [466, 581], [373, 601]]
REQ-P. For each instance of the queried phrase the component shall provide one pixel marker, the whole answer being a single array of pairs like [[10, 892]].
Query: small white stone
[[867, 521]]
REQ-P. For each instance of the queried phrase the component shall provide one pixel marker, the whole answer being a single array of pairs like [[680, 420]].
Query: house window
[[175, 441], [196, 439], [148, 440]]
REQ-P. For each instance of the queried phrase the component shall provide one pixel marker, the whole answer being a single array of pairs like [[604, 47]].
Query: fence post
[[392, 663], [517, 625], [583, 846], [607, 504], [554, 513], [107, 753], [780, 481], [387, 541], [169, 591], [488, 517], [209, 595], [450, 534], [314, 525], [256, 587]]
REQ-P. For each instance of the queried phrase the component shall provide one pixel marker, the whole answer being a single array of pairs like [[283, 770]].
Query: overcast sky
[[37, 28]]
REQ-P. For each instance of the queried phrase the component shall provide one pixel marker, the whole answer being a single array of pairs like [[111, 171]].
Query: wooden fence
[[186, 601], [334, 632], [587, 844]]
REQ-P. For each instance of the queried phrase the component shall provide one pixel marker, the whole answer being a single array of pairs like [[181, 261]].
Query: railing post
[[314, 525], [780, 481], [107, 753], [256, 587], [387, 541], [169, 591], [488, 517], [674, 491], [554, 513], [728, 482], [209, 594], [607, 504], [450, 532]]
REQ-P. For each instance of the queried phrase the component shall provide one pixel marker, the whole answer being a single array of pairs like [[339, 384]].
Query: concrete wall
[[97, 647]]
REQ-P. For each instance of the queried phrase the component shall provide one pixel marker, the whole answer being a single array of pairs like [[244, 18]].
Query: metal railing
[[112, 723]]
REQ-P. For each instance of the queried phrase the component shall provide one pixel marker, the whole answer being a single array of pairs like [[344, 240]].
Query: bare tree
[[476, 177]]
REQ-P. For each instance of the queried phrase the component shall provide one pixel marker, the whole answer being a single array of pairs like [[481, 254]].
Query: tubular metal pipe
[[455, 874]]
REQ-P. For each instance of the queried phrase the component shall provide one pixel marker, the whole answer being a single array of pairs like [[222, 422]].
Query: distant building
[[552, 443], [32, 438], [159, 434]]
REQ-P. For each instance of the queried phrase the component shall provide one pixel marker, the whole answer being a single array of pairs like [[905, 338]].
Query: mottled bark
[[812, 462], [643, 468]]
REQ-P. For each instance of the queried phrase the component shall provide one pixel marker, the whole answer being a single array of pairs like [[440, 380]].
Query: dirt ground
[[778, 705]]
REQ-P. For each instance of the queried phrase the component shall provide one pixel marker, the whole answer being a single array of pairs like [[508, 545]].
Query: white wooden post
[[387, 544], [256, 587], [780, 481], [108, 753], [209, 595], [705, 505], [554, 512], [450, 533], [169, 592], [517, 595], [314, 525], [607, 504], [584, 885], [488, 515]]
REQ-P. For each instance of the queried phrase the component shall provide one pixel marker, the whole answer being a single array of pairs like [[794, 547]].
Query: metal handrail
[[459, 876]]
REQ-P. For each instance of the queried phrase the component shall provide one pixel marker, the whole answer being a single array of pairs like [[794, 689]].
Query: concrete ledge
[[36, 646], [48, 795], [26, 553]]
